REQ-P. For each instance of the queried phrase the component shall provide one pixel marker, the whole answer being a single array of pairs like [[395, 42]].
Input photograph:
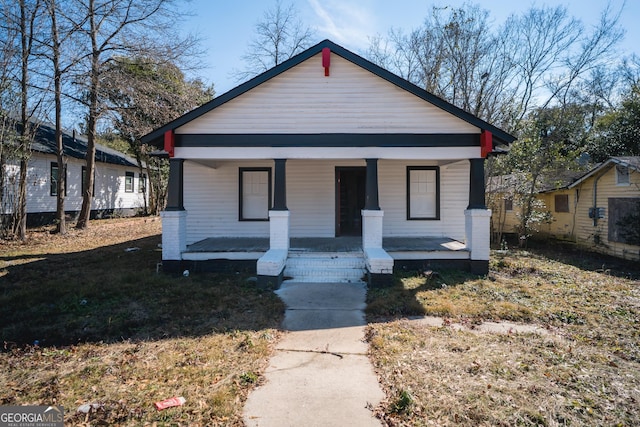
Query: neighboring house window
[[84, 180], [55, 171], [622, 175], [142, 183], [423, 192], [255, 194], [508, 204], [128, 182], [562, 203]]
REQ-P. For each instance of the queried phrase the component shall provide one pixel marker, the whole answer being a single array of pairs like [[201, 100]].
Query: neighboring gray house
[[326, 151], [117, 188]]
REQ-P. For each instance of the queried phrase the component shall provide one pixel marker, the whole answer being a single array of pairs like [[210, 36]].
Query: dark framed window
[[53, 180], [561, 202], [423, 192], [255, 194], [83, 180], [142, 183], [508, 204], [128, 182]]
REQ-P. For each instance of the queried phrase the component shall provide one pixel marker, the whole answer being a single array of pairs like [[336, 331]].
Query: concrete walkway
[[320, 374]]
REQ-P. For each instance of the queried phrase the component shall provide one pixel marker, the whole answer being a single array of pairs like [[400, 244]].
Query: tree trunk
[[20, 210], [62, 166], [87, 191]]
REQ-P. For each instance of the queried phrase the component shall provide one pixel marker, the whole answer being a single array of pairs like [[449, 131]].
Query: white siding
[[211, 199], [109, 186], [454, 198], [303, 100]]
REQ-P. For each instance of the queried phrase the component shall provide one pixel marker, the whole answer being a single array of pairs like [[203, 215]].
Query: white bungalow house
[[326, 151], [118, 185]]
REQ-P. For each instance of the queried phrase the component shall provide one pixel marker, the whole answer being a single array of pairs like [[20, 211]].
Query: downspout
[[595, 198], [575, 213]]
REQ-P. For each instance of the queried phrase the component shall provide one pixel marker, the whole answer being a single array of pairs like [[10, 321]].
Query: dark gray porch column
[[371, 196], [476, 184], [280, 190], [175, 191]]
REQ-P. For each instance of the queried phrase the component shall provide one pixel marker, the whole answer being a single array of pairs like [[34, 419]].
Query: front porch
[[218, 247], [417, 233], [405, 253]]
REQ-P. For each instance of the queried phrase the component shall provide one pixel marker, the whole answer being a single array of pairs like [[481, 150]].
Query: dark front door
[[350, 194]]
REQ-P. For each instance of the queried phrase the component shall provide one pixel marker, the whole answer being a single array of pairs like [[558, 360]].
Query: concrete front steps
[[325, 267]]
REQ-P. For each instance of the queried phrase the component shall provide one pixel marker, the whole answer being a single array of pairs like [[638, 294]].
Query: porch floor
[[326, 244]]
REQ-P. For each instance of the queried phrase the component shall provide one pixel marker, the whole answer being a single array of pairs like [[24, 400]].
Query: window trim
[[128, 175], [53, 184], [419, 168], [617, 170], [240, 193]]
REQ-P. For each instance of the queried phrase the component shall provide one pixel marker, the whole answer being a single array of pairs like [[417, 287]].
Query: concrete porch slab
[[326, 244]]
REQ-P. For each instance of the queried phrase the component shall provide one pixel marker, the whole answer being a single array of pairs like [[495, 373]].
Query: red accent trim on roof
[[486, 143], [326, 60], [169, 142]]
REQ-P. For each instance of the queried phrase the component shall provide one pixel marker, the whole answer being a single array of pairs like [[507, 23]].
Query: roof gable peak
[[156, 137]]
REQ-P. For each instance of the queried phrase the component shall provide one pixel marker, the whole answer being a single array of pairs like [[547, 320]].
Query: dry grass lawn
[[112, 332], [585, 372], [86, 320]]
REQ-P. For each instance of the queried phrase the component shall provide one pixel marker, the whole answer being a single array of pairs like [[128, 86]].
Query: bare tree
[[279, 36], [454, 57], [556, 54], [8, 112], [25, 19], [116, 27], [59, 35], [533, 61]]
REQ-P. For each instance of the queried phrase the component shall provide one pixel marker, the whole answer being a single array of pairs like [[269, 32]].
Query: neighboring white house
[[326, 145], [117, 188]]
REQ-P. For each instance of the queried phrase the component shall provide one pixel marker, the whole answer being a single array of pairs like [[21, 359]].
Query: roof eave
[[601, 168]]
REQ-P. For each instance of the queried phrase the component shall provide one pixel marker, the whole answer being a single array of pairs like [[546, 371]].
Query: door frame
[[338, 171]]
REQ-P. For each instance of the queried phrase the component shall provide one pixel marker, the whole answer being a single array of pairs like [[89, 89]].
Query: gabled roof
[[74, 146], [632, 162], [156, 136]]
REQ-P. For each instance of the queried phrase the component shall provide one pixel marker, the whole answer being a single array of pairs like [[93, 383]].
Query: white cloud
[[344, 22]]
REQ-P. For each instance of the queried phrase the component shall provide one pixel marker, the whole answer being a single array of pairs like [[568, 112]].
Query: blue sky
[[227, 26]]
